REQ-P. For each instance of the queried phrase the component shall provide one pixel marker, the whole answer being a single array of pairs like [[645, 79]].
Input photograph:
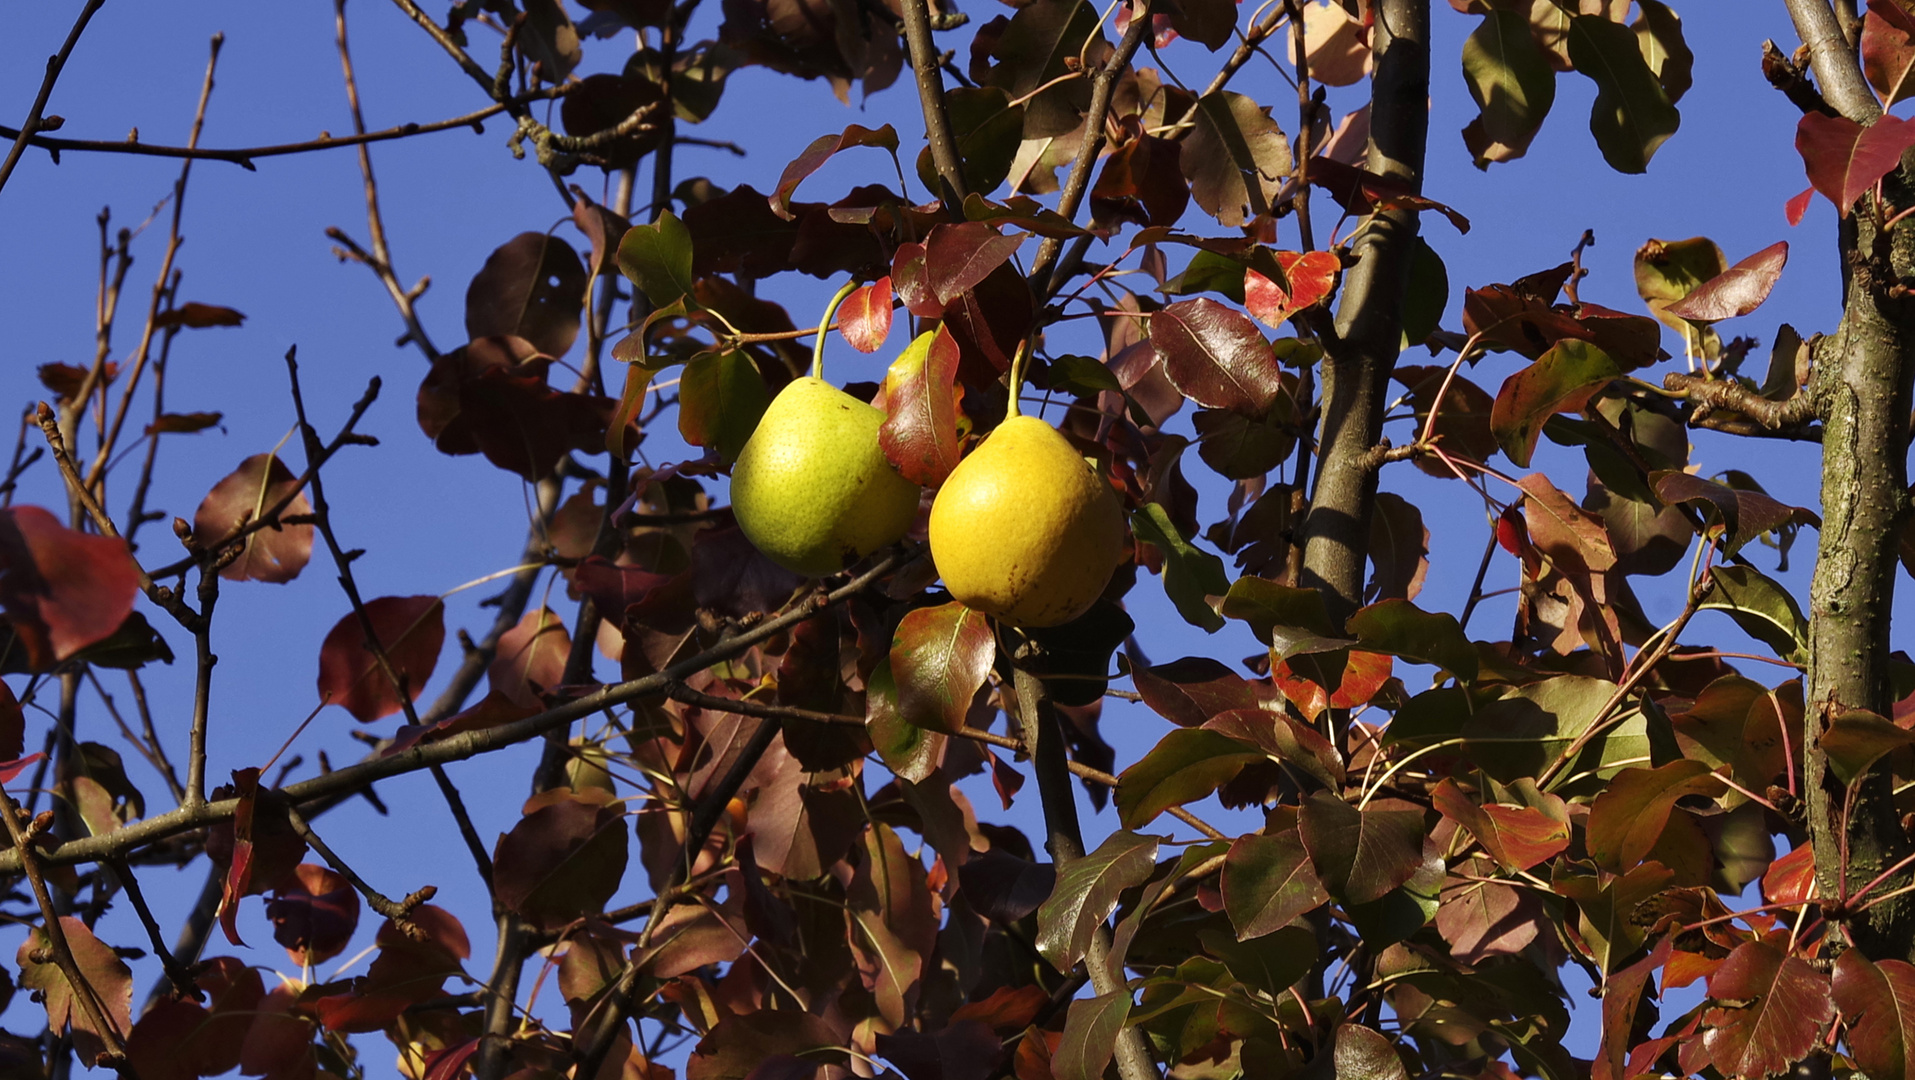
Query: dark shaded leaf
[[1627, 819], [1763, 609], [1186, 765], [1268, 882], [1401, 629], [564, 859], [62, 590], [314, 913], [1360, 855], [1632, 115], [1235, 157], [197, 316], [1510, 77], [276, 554], [183, 423], [103, 970], [183, 1039], [819, 152], [531, 287]]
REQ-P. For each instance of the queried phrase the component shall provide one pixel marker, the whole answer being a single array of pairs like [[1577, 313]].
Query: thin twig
[[180, 975], [55, 64], [399, 911]]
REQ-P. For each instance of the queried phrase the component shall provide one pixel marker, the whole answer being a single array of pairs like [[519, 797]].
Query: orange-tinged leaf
[[865, 316], [1768, 1010]]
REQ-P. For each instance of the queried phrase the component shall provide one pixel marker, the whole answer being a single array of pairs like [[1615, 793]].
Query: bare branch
[[937, 117], [399, 911], [1833, 57], [55, 64], [30, 861]]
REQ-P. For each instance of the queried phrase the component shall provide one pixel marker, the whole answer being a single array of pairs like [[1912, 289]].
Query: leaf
[[987, 129], [1191, 575], [1463, 424], [1186, 765], [1573, 539], [658, 259], [1561, 380], [314, 914], [1189, 691], [1509, 76], [1403, 630], [940, 657], [1399, 549], [819, 152], [1845, 159], [908, 750], [1283, 739], [550, 40], [1888, 51], [490, 396], [920, 433], [1086, 893], [62, 590], [563, 859], [183, 1039], [183, 423], [410, 628], [1516, 837], [895, 923], [1090, 1035], [1335, 44], [1878, 1005], [1037, 49], [1282, 616], [1622, 999], [1769, 1010], [959, 257], [1268, 883], [1004, 888], [721, 397], [740, 1042], [1659, 33], [1627, 819], [1309, 279], [1362, 1054], [1235, 157], [1481, 918], [1855, 740], [530, 659], [962, 1050], [1736, 291], [1742, 515], [1791, 878], [1632, 115], [865, 316], [276, 554], [194, 315], [531, 287], [102, 969], [1216, 357], [1763, 609], [1360, 855]]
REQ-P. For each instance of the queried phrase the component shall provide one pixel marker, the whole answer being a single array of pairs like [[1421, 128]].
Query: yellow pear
[[811, 488], [1024, 530]]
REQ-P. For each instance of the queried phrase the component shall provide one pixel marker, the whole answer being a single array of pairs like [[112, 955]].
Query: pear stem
[[1018, 364], [824, 327]]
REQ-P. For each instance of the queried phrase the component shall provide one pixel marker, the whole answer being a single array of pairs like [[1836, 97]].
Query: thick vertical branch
[[1065, 841], [1357, 367], [937, 119], [1832, 56]]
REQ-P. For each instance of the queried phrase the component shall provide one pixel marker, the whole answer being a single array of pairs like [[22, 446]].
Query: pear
[[1023, 529], [811, 489]]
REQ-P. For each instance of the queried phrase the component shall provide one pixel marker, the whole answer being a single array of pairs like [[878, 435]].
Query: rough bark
[[1369, 327]]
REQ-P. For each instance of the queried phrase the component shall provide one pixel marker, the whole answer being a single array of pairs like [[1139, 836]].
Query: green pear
[[812, 489]]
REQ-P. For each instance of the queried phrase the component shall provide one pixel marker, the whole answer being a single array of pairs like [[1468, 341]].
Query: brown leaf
[[1768, 1010], [179, 1039], [531, 658], [195, 316], [531, 287], [490, 396], [274, 554], [411, 629], [110, 980], [1216, 357], [314, 913], [564, 859], [183, 423]]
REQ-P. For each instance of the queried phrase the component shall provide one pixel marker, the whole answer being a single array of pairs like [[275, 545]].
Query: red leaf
[[1518, 837], [276, 554], [940, 656], [531, 658], [1767, 1011], [1622, 996], [920, 430], [911, 280], [239, 869], [1797, 206], [63, 590], [1628, 817], [183, 1039], [1888, 50], [490, 397], [314, 914], [410, 628], [1311, 276], [1361, 854], [1844, 159], [565, 858], [1791, 878], [197, 316], [1216, 357], [183, 423], [1736, 291], [958, 257], [1878, 1003], [819, 152], [865, 316]]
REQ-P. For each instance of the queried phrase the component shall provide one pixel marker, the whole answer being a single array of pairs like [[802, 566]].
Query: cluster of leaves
[[1585, 790]]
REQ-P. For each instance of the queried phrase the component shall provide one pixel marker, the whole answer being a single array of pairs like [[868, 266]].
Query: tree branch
[[1837, 68], [399, 911], [55, 64], [81, 990], [937, 118]]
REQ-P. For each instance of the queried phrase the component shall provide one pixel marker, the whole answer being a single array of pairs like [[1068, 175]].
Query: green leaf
[[1086, 893], [909, 751], [1191, 575], [721, 397], [1402, 629], [940, 656], [1235, 157], [1632, 115], [658, 259], [1090, 1035], [1187, 765], [1082, 375], [1267, 882], [1278, 612], [1561, 380], [1271, 963], [1514, 86], [1763, 609], [1360, 855]]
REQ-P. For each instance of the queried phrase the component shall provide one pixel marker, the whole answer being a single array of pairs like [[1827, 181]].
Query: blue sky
[[256, 241]]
